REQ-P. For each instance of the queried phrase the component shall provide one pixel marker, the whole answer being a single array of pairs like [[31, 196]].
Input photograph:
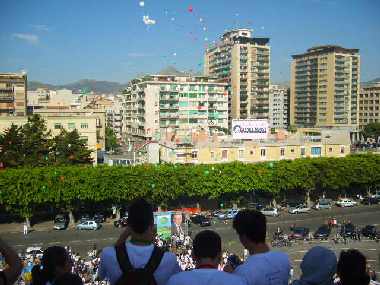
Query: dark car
[[99, 218], [85, 218], [370, 201], [299, 233], [348, 230], [61, 222], [323, 232], [198, 219], [121, 222], [205, 221], [255, 206], [369, 231]]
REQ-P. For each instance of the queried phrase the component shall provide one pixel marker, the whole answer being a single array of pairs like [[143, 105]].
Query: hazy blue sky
[[60, 41]]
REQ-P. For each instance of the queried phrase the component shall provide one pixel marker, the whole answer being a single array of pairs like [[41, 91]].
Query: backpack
[[137, 276]]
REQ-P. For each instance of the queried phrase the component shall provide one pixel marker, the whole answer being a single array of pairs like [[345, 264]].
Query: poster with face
[[177, 223]]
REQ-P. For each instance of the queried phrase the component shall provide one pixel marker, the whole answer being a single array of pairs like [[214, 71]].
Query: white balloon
[[142, 3]]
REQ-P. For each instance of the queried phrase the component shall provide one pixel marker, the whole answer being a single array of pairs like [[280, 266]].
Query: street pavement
[[83, 241]]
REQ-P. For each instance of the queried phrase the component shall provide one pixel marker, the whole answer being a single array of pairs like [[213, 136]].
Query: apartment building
[[51, 99], [325, 84], [157, 104], [369, 105], [13, 88], [299, 145], [278, 106], [243, 62], [86, 125]]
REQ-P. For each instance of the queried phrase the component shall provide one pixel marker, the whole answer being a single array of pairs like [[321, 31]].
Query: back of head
[[318, 266], [352, 268], [54, 257], [140, 216], [251, 224], [207, 244]]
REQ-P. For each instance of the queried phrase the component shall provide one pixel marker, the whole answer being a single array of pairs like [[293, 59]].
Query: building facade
[[158, 104], [325, 84], [369, 105], [13, 88], [278, 106], [319, 144], [243, 62], [42, 98], [85, 125]]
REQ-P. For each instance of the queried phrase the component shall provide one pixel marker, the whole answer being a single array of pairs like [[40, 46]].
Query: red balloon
[[190, 9]]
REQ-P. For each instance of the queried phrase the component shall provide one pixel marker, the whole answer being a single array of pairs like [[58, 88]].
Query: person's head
[[55, 262], [318, 267], [207, 246], [177, 219], [140, 217], [251, 226], [352, 268]]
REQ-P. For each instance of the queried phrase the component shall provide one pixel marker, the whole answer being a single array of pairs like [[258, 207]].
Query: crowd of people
[[139, 257]]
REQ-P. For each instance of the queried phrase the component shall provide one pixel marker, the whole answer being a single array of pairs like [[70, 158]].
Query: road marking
[[372, 249], [297, 260], [371, 260]]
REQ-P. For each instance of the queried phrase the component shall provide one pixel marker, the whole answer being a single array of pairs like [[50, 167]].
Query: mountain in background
[[376, 80]]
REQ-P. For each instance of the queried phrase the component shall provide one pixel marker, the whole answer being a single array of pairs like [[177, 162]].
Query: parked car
[[376, 195], [204, 221], [34, 251], [346, 203], [347, 230], [84, 218], [323, 232], [121, 222], [255, 206], [370, 201], [232, 213], [369, 231], [61, 222], [300, 233], [99, 218], [196, 219], [323, 204], [273, 212], [88, 225], [301, 208]]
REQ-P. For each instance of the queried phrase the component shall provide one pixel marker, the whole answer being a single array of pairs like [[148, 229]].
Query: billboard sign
[[250, 129], [163, 221]]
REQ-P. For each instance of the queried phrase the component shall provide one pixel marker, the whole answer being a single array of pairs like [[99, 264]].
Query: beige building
[[63, 99], [86, 125], [100, 123], [243, 62], [325, 84], [13, 88], [369, 105], [278, 106], [159, 104], [300, 145]]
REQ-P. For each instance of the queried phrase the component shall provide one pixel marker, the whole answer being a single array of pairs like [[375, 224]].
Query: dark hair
[[53, 257], [140, 216], [207, 244], [68, 278], [252, 224], [352, 268]]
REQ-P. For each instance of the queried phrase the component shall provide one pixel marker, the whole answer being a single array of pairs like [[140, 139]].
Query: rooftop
[[327, 49]]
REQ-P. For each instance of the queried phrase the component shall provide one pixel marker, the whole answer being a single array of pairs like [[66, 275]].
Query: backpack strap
[[122, 258], [155, 260]]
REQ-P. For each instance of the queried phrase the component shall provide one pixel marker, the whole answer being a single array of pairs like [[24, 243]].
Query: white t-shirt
[[138, 256], [270, 268], [205, 277]]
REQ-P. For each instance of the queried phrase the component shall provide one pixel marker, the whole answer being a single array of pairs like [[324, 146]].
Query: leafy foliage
[[111, 140], [372, 130]]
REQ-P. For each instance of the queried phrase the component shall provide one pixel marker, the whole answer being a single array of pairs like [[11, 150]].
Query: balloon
[[172, 19], [142, 3], [174, 54], [206, 39], [205, 29], [148, 21], [190, 9], [200, 20]]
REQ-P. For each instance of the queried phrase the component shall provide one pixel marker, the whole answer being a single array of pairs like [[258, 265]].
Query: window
[[71, 126], [212, 155], [251, 152], [263, 152], [330, 149], [282, 151], [316, 151], [194, 154], [84, 125], [84, 139], [241, 154], [57, 126], [342, 149], [292, 150], [303, 152], [224, 154]]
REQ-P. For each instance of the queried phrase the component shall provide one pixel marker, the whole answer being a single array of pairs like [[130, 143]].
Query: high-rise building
[[157, 104], [243, 62], [325, 87], [13, 88], [369, 105], [278, 106]]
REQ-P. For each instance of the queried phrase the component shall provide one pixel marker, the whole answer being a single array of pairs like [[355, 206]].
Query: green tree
[[372, 130], [68, 148], [11, 142], [111, 140], [37, 142]]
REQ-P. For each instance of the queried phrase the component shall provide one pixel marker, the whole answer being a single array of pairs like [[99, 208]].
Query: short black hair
[[140, 216], [352, 268], [207, 244], [252, 224]]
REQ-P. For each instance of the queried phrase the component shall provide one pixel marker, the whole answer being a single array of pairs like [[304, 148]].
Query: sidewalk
[[19, 227]]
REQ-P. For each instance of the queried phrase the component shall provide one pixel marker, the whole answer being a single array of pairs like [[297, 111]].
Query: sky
[[62, 41]]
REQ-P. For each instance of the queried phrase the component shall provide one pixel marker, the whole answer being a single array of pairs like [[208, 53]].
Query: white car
[[299, 209], [273, 212], [88, 225], [34, 251], [346, 203]]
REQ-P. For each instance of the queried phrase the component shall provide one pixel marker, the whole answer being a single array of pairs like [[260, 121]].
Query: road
[[83, 241]]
